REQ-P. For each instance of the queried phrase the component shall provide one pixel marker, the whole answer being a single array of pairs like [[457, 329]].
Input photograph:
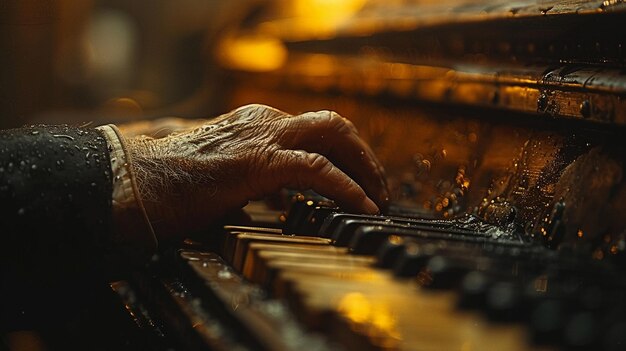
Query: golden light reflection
[[467, 346], [316, 18], [319, 65], [372, 316], [395, 239], [356, 307], [252, 53]]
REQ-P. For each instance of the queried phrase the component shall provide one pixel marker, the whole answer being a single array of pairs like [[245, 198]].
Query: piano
[[501, 125]]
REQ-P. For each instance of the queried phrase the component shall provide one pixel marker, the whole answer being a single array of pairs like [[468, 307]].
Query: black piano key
[[391, 249], [307, 217], [547, 321], [443, 273], [412, 259], [504, 302], [346, 229], [334, 220], [315, 219], [368, 237], [297, 213], [469, 255], [473, 291], [448, 270]]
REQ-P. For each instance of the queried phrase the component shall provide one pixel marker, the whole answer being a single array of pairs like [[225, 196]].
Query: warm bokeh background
[[103, 60]]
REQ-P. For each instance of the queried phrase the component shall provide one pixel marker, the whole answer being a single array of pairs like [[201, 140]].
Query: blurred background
[[110, 60], [113, 60]]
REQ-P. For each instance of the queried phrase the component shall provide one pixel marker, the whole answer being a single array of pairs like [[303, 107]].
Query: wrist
[[153, 176], [132, 232]]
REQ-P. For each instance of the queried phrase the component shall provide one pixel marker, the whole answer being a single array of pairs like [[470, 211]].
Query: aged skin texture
[[192, 177]]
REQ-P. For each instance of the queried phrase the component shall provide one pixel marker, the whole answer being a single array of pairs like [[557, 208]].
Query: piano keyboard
[[332, 280]]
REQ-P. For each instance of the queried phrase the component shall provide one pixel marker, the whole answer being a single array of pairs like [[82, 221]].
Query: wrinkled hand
[[158, 128], [191, 178]]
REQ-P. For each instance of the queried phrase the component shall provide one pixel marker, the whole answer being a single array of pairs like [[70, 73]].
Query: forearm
[[55, 216], [55, 186]]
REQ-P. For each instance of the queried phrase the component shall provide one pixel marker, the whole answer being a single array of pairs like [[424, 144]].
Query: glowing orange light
[[323, 17], [374, 315], [252, 53]]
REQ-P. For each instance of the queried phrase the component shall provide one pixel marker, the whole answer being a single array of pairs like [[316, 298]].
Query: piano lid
[[555, 59]]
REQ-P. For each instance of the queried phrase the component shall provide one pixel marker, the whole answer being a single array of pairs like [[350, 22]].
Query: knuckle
[[350, 125], [317, 163], [335, 122], [251, 108], [260, 111]]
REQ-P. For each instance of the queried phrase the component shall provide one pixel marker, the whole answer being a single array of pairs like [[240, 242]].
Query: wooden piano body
[[511, 112]]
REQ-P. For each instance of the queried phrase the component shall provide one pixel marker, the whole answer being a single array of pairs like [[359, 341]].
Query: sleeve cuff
[[132, 233]]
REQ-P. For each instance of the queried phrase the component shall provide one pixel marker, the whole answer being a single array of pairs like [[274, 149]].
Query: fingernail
[[370, 206]]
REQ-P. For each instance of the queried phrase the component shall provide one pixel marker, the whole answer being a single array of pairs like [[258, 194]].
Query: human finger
[[328, 133], [303, 170]]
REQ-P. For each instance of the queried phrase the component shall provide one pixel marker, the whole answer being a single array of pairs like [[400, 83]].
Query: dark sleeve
[[55, 209]]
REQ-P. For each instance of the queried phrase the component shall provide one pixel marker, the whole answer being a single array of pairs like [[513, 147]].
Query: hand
[[158, 128], [191, 178]]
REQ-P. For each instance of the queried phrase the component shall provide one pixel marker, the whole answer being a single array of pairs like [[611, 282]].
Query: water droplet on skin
[[34, 132], [33, 167]]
